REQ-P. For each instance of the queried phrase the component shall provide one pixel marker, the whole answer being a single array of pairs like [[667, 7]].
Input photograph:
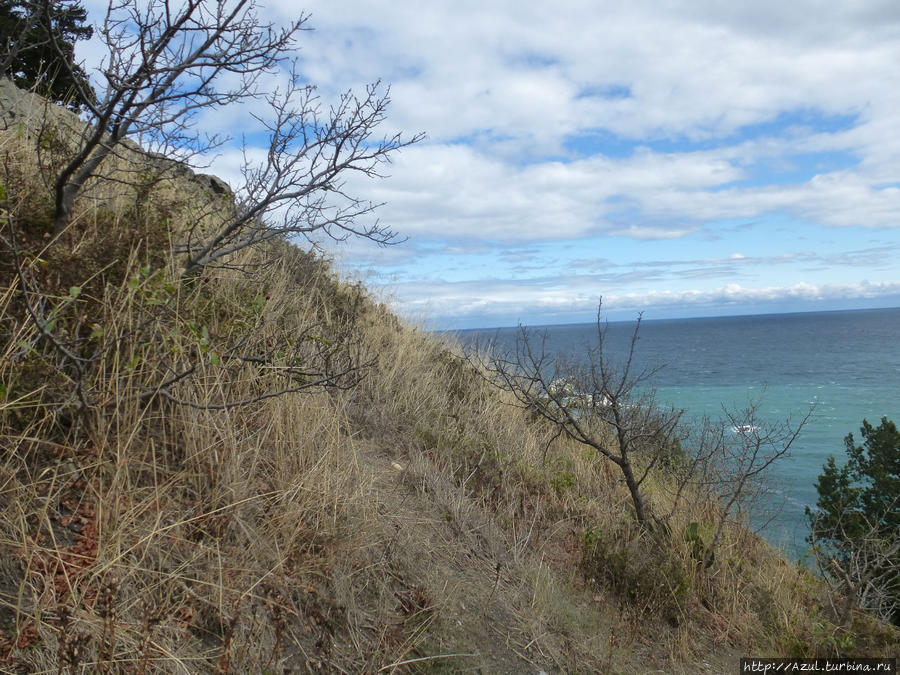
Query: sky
[[678, 159]]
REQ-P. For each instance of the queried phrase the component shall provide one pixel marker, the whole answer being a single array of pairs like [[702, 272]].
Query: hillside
[[259, 468]]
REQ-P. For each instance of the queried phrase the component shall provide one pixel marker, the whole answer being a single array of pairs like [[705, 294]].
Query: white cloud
[[635, 124], [457, 191], [492, 303], [693, 70]]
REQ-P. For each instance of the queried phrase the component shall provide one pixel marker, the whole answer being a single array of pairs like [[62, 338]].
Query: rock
[[18, 106]]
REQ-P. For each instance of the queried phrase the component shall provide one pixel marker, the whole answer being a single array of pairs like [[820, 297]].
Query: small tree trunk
[[639, 509], [73, 178], [63, 211]]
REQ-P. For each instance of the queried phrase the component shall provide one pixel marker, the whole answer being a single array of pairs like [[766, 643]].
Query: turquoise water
[[845, 363]]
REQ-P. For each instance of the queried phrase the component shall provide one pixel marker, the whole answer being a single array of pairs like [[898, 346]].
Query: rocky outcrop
[[21, 109]]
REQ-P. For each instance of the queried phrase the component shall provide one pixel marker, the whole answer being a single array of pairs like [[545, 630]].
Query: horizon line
[[683, 318]]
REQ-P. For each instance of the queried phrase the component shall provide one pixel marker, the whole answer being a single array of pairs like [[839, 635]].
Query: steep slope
[[259, 468]]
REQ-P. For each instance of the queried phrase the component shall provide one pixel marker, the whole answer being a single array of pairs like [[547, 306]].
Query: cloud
[[503, 303], [649, 232], [734, 294], [703, 285], [509, 95], [694, 71], [458, 191], [688, 144]]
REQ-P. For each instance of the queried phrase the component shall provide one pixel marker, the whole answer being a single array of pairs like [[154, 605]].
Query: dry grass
[[403, 516]]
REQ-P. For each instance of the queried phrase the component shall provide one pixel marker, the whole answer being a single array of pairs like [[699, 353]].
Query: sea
[[845, 365]]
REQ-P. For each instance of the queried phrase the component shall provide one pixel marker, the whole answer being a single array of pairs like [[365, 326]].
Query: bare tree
[[168, 62], [597, 404], [612, 409], [737, 458], [301, 187]]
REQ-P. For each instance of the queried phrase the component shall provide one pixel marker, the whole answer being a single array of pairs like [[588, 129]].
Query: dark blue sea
[[847, 363]]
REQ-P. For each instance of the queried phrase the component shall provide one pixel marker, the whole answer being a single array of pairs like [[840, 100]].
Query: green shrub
[[856, 528]]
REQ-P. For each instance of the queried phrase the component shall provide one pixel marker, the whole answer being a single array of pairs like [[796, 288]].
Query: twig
[[397, 664]]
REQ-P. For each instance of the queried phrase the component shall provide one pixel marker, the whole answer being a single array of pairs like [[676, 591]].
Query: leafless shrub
[[166, 64], [613, 410], [730, 461], [594, 403]]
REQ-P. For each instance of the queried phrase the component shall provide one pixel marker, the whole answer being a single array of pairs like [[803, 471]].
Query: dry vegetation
[[389, 510]]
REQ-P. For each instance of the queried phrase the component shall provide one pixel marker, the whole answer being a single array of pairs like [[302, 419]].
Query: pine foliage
[[37, 39], [857, 524]]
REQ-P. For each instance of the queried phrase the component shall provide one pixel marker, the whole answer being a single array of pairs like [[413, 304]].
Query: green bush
[[856, 528]]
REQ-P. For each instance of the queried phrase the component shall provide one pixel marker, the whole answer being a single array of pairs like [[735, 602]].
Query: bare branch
[[595, 404], [162, 67], [167, 63]]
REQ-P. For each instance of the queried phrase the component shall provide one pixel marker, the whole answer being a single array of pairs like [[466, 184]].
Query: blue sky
[[676, 158]]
